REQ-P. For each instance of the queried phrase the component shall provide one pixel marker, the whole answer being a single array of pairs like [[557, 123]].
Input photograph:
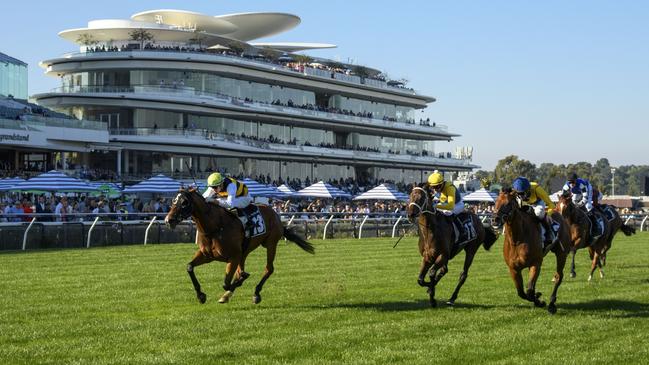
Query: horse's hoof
[[226, 297], [450, 303], [573, 274], [601, 274], [539, 304], [256, 299], [433, 303], [590, 277], [202, 297], [552, 308], [538, 294]]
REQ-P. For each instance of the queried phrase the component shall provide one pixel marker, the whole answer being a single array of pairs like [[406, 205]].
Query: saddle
[[608, 210], [463, 231]]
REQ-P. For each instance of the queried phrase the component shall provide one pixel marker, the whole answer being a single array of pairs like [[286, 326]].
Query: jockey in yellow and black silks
[[450, 200], [227, 192]]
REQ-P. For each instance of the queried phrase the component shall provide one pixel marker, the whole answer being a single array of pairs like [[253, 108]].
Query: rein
[[426, 202]]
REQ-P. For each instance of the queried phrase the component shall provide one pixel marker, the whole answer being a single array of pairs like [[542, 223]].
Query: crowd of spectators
[[19, 208]]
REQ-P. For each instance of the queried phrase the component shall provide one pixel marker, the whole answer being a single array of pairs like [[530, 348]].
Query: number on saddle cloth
[[255, 220]]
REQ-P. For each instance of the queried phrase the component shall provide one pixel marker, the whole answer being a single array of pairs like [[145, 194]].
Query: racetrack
[[355, 301]]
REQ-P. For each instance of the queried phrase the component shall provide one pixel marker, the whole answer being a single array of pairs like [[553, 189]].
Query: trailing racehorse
[[580, 232], [523, 246], [221, 238], [436, 241]]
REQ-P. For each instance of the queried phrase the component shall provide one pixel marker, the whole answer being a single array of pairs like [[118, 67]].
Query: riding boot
[[597, 231], [549, 235]]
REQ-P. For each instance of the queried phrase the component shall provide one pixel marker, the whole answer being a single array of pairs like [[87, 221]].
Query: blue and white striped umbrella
[[53, 181], [257, 189], [322, 190], [8, 182], [382, 192], [286, 189], [282, 191], [158, 184], [481, 195]]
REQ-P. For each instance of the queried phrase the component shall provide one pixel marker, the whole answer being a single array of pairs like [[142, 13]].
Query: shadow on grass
[[611, 308], [402, 306]]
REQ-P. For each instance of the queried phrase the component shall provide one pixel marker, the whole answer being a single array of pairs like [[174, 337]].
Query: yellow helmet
[[435, 178], [214, 179]]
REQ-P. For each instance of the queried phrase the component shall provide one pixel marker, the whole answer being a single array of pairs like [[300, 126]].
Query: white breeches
[[236, 202], [459, 207], [539, 210]]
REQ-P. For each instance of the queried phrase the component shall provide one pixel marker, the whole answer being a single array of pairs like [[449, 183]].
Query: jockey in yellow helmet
[[450, 200], [229, 193]]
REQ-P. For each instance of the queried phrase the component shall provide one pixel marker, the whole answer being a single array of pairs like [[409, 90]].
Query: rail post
[[290, 220], [92, 227], [324, 234], [643, 221], [26, 232], [394, 228], [146, 234], [360, 229]]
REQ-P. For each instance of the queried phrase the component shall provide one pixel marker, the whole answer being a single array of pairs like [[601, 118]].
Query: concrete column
[[126, 158], [119, 163], [64, 164]]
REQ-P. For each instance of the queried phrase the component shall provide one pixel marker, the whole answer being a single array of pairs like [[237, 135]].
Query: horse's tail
[[627, 230], [490, 237], [290, 235]]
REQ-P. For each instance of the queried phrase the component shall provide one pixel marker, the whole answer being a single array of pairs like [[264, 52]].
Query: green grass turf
[[355, 301]]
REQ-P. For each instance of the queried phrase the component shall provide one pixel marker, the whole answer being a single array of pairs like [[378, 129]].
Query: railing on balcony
[[193, 94], [305, 70], [205, 135]]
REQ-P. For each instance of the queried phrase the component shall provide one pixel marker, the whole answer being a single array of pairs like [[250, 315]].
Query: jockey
[[582, 192], [229, 193], [534, 195], [450, 201]]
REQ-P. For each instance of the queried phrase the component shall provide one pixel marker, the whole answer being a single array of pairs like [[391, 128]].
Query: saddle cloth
[[609, 211], [596, 226], [554, 225], [251, 219], [464, 232]]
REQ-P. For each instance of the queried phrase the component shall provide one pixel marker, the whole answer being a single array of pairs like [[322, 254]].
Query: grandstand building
[[177, 90]]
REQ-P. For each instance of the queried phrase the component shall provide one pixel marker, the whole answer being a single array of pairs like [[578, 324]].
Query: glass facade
[[378, 110], [13, 78], [215, 84]]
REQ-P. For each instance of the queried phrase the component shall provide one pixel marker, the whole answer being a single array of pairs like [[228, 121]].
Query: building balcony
[[203, 140], [188, 95]]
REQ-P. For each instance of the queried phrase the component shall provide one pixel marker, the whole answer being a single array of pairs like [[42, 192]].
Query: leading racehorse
[[221, 236], [436, 239], [523, 246], [580, 232]]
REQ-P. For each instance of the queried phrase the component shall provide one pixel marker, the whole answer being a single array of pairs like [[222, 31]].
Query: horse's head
[[181, 208], [566, 203], [420, 202], [507, 204]]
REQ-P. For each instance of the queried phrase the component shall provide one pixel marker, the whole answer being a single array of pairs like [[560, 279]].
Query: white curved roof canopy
[[292, 46], [182, 26], [259, 25]]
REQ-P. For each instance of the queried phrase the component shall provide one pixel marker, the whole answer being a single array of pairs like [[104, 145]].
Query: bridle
[[429, 208], [505, 211], [186, 205]]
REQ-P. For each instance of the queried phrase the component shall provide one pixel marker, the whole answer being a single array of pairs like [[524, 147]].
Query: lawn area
[[355, 301]]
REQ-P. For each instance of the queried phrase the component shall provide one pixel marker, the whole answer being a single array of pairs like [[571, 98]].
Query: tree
[[198, 39], [601, 177], [300, 58], [86, 39], [141, 35], [512, 167], [269, 54], [236, 48]]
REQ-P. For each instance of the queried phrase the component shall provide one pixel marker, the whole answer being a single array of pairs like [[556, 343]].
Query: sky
[[550, 81]]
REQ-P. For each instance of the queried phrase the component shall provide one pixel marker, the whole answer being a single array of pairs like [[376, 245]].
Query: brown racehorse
[[523, 246], [436, 240], [580, 233], [221, 236]]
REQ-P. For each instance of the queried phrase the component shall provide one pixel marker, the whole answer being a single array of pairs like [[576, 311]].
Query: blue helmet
[[521, 185]]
